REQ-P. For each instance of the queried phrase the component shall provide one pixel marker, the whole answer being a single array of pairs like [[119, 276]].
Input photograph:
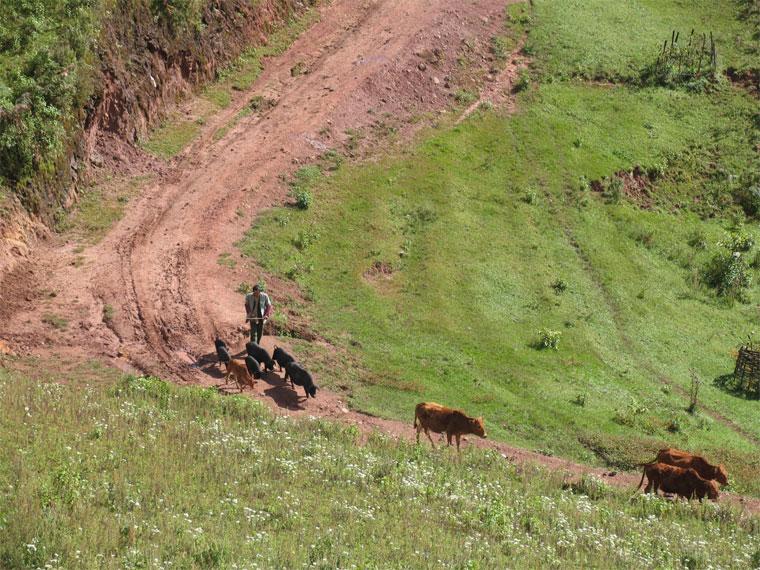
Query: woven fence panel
[[747, 371]]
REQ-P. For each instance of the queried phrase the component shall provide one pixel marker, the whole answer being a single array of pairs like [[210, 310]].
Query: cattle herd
[[683, 474], [258, 357], [673, 471]]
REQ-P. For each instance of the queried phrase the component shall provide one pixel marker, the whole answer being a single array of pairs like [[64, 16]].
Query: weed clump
[[303, 199], [548, 338], [522, 83], [464, 97], [303, 180], [559, 286]]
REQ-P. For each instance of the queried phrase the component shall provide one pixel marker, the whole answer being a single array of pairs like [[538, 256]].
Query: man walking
[[258, 307]]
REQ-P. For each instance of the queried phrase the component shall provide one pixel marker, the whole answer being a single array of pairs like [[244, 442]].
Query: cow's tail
[[643, 474], [416, 417]]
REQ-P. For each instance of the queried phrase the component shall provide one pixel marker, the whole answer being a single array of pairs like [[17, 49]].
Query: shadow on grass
[[734, 386]]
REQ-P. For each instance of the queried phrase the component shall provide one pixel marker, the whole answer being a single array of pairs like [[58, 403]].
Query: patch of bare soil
[[379, 270], [636, 185], [152, 295]]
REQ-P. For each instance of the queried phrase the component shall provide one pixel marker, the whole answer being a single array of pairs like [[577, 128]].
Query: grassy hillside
[[604, 40], [147, 475], [437, 274]]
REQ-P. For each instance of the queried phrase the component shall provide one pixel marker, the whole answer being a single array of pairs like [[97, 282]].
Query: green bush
[[179, 15], [739, 241], [747, 193], [44, 80], [559, 286], [303, 199], [303, 179], [465, 97], [630, 414], [697, 240], [530, 196], [549, 339], [728, 273]]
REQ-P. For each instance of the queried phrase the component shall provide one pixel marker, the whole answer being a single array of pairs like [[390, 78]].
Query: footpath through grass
[[438, 275], [148, 475]]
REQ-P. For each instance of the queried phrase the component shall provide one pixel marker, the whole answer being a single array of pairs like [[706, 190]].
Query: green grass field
[[433, 272], [143, 474], [599, 39]]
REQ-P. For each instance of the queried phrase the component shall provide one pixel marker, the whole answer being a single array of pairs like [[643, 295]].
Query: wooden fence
[[747, 371]]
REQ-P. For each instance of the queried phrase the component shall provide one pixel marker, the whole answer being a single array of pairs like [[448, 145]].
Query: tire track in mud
[[161, 271]]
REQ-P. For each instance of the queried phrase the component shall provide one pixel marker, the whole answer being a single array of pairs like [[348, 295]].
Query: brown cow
[[239, 373], [683, 482], [430, 416], [706, 470]]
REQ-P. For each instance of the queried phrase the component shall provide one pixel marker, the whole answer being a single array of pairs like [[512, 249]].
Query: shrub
[[549, 339], [591, 486], [656, 171], [580, 400], [179, 15], [55, 321], [739, 241], [530, 197], [108, 313], [629, 415], [728, 273], [500, 47], [755, 263], [304, 178], [303, 199], [559, 286], [747, 193], [693, 392], [674, 425]]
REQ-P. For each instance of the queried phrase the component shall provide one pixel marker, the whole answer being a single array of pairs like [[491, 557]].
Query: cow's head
[[477, 426], [712, 491], [721, 475], [312, 391]]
